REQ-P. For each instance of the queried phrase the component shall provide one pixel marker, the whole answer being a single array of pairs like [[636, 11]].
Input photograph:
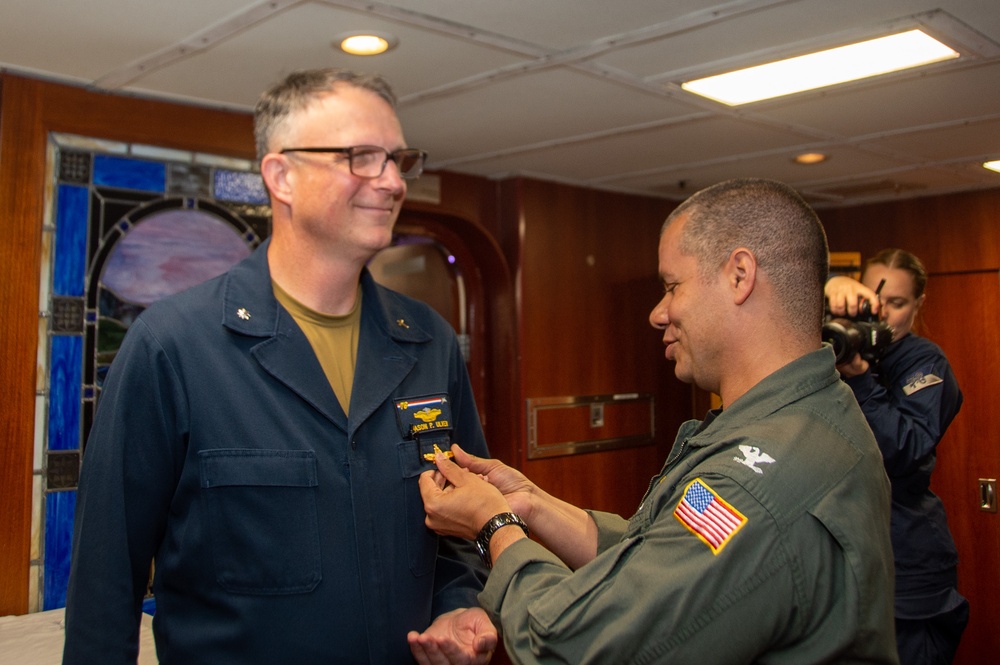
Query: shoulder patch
[[918, 381], [705, 514]]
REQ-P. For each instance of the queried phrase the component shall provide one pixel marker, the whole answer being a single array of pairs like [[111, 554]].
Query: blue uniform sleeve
[[911, 411], [127, 479]]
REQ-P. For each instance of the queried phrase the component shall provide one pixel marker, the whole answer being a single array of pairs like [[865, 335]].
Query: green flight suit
[[764, 539]]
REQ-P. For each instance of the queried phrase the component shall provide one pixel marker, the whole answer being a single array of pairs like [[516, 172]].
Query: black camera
[[863, 334]]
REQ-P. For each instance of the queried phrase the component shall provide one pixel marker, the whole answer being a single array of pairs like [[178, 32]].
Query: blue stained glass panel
[[71, 240], [125, 173], [59, 509], [240, 186], [203, 237], [66, 373]]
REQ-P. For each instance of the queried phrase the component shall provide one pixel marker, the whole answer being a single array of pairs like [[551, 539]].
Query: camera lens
[[845, 338], [849, 337]]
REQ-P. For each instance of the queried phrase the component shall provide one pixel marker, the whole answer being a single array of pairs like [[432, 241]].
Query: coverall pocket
[[262, 518], [421, 542]]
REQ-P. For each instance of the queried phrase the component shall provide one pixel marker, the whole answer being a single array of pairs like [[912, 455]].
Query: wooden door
[[487, 317], [962, 314]]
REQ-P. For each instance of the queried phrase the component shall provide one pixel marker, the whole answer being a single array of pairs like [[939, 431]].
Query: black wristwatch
[[491, 527]]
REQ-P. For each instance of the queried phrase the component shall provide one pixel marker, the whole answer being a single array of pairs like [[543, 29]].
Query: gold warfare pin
[[437, 451]]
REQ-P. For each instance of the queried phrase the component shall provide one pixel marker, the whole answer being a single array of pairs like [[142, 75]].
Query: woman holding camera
[[909, 397]]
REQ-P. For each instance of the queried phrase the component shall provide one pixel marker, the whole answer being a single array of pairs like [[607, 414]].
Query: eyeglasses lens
[[370, 162], [410, 162]]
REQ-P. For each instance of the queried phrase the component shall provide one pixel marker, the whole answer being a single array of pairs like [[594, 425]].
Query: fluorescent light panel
[[824, 68]]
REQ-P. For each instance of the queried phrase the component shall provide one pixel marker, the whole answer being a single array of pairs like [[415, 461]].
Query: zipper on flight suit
[[666, 466]]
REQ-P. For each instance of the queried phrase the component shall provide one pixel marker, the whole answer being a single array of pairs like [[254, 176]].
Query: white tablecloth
[[37, 639]]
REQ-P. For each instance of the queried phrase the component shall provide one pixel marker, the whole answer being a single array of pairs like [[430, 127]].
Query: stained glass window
[[127, 224]]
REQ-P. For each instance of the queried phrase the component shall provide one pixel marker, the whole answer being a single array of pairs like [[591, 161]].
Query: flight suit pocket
[[262, 519], [421, 542]]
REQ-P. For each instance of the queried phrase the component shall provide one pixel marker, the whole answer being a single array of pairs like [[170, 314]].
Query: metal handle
[[988, 495]]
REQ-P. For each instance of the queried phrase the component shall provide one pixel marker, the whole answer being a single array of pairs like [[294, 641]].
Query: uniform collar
[[391, 312], [250, 308], [248, 303], [803, 376]]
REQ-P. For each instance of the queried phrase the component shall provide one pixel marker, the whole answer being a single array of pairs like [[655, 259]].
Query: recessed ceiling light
[[817, 70], [811, 158], [993, 166], [369, 43]]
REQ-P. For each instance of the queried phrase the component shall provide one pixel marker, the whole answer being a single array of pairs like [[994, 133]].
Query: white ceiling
[[578, 91]]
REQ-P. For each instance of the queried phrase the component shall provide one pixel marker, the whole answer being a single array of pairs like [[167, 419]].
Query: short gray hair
[[298, 89]]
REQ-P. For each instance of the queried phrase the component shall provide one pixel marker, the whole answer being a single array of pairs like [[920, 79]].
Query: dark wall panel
[[587, 281]]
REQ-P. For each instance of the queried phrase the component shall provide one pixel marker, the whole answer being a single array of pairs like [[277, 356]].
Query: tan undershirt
[[334, 340]]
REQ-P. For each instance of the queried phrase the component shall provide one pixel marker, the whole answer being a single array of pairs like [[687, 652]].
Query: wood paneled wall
[[587, 280], [954, 233]]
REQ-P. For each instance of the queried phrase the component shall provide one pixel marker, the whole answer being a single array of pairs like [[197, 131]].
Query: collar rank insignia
[[705, 514], [752, 456]]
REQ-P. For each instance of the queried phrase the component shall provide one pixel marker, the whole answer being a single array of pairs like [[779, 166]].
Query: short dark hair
[[776, 224], [903, 260], [297, 89]]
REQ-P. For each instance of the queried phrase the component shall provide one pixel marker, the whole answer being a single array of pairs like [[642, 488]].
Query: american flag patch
[[707, 516]]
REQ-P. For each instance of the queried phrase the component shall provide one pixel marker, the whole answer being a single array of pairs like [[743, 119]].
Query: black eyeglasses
[[368, 161]]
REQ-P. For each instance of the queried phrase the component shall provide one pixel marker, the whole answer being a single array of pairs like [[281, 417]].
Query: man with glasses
[[261, 436]]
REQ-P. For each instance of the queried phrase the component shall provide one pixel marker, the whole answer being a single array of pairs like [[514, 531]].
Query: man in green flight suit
[[765, 536]]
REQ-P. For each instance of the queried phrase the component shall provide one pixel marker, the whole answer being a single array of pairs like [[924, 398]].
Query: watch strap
[[494, 524]]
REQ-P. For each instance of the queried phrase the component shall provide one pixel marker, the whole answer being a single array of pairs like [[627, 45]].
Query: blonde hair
[[902, 260]]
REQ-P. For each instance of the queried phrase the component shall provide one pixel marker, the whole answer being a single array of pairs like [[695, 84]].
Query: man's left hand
[[460, 637]]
